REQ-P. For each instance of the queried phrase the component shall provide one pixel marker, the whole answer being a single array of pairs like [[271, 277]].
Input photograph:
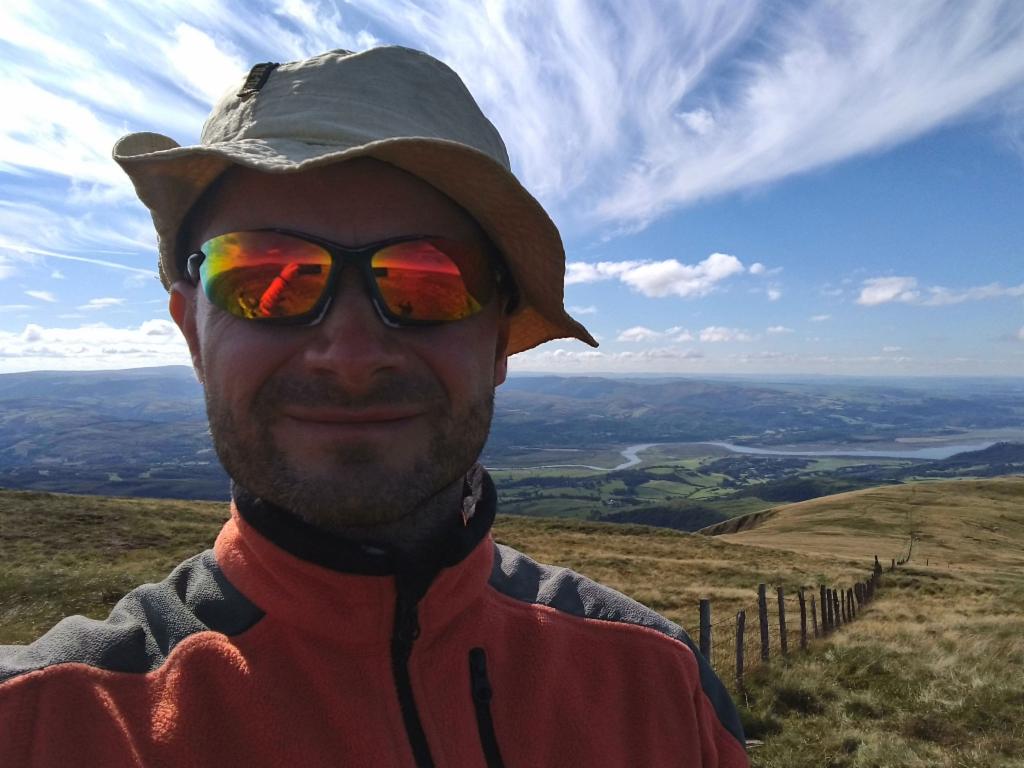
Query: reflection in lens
[[431, 280], [257, 275]]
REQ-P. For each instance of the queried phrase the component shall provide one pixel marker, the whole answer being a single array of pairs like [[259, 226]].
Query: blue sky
[[744, 188]]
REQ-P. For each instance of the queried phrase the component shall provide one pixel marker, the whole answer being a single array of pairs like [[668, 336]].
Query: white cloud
[[775, 330], [56, 275], [880, 290], [42, 296], [103, 303], [591, 310], [820, 318], [718, 333], [938, 296], [657, 279], [826, 82], [88, 347], [892, 349], [209, 66], [638, 333], [757, 268], [773, 293]]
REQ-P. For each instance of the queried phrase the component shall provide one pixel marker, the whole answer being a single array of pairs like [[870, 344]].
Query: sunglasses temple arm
[[192, 266]]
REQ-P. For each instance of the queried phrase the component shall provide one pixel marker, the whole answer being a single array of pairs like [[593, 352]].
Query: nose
[[351, 343]]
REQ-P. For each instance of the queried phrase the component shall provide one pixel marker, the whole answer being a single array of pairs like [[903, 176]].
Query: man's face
[[348, 422]]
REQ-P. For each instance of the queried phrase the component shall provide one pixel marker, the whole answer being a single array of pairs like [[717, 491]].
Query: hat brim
[[169, 179]]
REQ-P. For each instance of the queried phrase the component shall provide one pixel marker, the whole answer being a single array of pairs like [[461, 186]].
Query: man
[[351, 261]]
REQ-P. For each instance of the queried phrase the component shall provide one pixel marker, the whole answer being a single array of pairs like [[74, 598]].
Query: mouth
[[341, 418]]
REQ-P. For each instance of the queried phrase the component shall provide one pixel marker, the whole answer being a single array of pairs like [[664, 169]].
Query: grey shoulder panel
[[522, 578], [145, 625]]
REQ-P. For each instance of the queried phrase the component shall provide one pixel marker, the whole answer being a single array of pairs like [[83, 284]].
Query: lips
[[350, 416]]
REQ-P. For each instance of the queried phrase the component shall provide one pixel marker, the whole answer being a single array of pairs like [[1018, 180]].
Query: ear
[[183, 307], [501, 350]]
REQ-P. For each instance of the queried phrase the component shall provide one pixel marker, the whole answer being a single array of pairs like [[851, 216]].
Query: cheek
[[239, 357]]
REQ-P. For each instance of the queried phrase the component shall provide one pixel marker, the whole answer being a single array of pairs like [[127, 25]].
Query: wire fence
[[778, 624]]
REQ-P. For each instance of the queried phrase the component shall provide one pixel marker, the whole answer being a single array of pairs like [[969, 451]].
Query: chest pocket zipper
[[482, 692]]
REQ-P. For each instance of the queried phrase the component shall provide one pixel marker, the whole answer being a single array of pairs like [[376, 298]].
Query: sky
[[774, 188]]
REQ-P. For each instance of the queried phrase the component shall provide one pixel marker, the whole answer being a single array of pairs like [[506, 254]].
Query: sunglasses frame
[[360, 258]]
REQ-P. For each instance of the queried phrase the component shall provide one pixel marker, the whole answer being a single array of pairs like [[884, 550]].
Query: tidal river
[[632, 453]]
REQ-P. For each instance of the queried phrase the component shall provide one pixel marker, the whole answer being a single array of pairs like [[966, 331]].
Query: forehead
[[353, 203]]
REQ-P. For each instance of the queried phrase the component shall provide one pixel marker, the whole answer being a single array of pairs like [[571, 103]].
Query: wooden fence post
[[835, 608], [823, 603], [705, 628], [851, 603], [741, 624], [826, 610], [893, 566], [803, 619], [762, 617], [783, 640], [842, 605], [814, 616]]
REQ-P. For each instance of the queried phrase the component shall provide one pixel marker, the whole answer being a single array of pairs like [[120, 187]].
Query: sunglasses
[[279, 277]]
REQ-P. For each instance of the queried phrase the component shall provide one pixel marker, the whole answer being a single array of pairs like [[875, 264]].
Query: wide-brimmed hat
[[394, 104]]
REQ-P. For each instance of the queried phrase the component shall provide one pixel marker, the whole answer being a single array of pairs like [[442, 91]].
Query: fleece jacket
[[284, 647]]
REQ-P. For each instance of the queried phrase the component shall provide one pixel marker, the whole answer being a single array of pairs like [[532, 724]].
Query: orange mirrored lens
[[264, 274], [432, 280]]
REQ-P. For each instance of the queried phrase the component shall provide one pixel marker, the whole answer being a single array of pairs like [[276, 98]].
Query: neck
[[440, 531]]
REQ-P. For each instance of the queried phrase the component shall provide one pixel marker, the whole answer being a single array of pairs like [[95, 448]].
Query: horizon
[[743, 189], [766, 378]]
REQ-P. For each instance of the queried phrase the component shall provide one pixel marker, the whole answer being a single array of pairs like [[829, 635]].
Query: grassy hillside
[[929, 675], [933, 673]]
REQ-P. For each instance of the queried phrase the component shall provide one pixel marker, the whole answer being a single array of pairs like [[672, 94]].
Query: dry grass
[[929, 675]]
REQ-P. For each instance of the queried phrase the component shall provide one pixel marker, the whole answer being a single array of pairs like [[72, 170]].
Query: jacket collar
[[346, 590]]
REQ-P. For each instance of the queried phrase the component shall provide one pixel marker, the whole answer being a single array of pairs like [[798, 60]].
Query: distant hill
[[968, 523], [143, 432]]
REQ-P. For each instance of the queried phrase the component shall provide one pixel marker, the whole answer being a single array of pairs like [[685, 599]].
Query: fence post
[[783, 640], [803, 619], [826, 610], [893, 566], [705, 628], [741, 624], [835, 608], [762, 617], [842, 605], [852, 609], [814, 616], [824, 603]]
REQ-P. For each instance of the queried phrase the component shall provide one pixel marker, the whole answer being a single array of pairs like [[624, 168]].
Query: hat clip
[[257, 79]]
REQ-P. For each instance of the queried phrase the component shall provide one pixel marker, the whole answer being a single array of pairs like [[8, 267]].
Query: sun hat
[[394, 104]]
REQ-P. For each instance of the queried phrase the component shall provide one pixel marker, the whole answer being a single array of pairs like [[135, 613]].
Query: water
[[933, 452], [632, 453]]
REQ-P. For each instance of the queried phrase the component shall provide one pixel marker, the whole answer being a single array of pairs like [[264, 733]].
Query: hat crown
[[344, 99]]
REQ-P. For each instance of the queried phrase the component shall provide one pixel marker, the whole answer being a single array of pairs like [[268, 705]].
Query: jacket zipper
[[482, 692], [407, 629]]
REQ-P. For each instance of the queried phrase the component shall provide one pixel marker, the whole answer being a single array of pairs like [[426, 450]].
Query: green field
[[672, 476]]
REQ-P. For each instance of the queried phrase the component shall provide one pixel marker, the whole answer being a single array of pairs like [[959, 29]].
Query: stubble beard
[[363, 490]]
